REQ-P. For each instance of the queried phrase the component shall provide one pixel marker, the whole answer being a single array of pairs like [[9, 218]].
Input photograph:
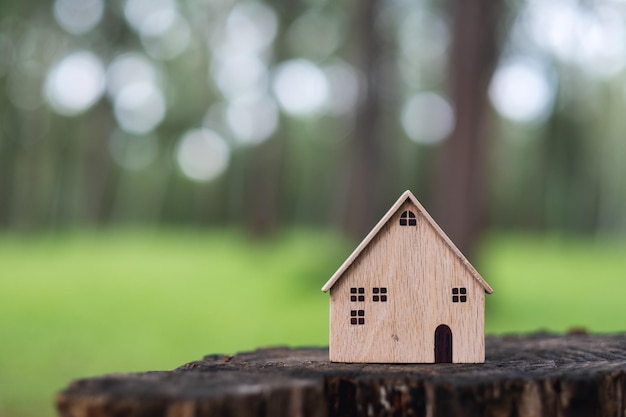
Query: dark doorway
[[443, 344]]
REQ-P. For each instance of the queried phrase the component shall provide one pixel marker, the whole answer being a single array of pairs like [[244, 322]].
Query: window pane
[[383, 298], [375, 290], [463, 290], [412, 222], [353, 313], [353, 321], [375, 298], [402, 222], [463, 298], [361, 290], [455, 290], [353, 298], [352, 290], [361, 320], [383, 290], [361, 298], [361, 313], [411, 215], [455, 298]]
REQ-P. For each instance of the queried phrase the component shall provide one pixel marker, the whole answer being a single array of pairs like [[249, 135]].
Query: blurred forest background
[[180, 177], [507, 114]]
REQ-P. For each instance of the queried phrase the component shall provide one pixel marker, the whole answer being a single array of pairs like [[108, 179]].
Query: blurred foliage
[[242, 112]]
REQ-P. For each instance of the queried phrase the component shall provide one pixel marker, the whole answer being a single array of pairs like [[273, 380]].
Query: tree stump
[[536, 375]]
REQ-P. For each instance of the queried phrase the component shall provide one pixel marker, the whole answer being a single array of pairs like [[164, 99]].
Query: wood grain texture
[[407, 195], [532, 376], [419, 270]]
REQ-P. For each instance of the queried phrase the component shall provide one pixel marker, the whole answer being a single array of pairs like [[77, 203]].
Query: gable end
[[407, 195]]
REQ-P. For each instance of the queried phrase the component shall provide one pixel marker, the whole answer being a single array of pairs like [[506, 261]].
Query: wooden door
[[443, 344]]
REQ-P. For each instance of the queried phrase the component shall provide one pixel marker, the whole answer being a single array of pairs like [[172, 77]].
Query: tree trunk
[[99, 168], [531, 376], [459, 205], [364, 156]]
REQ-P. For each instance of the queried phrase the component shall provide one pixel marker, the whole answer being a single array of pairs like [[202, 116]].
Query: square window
[[361, 290], [357, 320], [455, 294], [361, 298], [352, 290], [353, 298], [382, 291]]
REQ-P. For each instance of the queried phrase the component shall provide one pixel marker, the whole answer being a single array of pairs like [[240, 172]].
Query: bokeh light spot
[[238, 74], [521, 91], [127, 69], [78, 16], [137, 12], [427, 118], [301, 87], [202, 154], [75, 83], [593, 38], [165, 34], [252, 119], [250, 27], [139, 107]]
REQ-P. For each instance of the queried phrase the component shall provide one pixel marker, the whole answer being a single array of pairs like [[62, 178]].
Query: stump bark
[[536, 375]]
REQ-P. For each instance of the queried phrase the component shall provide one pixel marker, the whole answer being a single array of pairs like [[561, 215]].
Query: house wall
[[419, 271]]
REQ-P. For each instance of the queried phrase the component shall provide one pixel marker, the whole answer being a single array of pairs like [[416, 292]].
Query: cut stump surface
[[536, 375]]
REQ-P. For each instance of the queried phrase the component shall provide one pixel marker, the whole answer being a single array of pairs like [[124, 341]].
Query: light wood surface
[[420, 268], [393, 210]]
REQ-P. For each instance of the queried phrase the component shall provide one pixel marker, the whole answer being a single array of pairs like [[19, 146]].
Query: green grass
[[89, 304], [85, 304], [554, 283]]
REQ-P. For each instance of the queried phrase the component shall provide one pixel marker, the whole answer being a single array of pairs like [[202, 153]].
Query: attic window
[[357, 316], [353, 294], [407, 218], [380, 294], [459, 294]]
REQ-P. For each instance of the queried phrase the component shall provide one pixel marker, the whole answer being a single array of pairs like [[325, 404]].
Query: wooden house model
[[407, 295]]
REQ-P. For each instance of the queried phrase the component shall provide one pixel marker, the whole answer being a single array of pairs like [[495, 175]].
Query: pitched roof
[[407, 195]]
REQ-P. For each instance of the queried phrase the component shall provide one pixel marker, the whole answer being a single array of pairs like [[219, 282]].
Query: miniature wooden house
[[407, 295]]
